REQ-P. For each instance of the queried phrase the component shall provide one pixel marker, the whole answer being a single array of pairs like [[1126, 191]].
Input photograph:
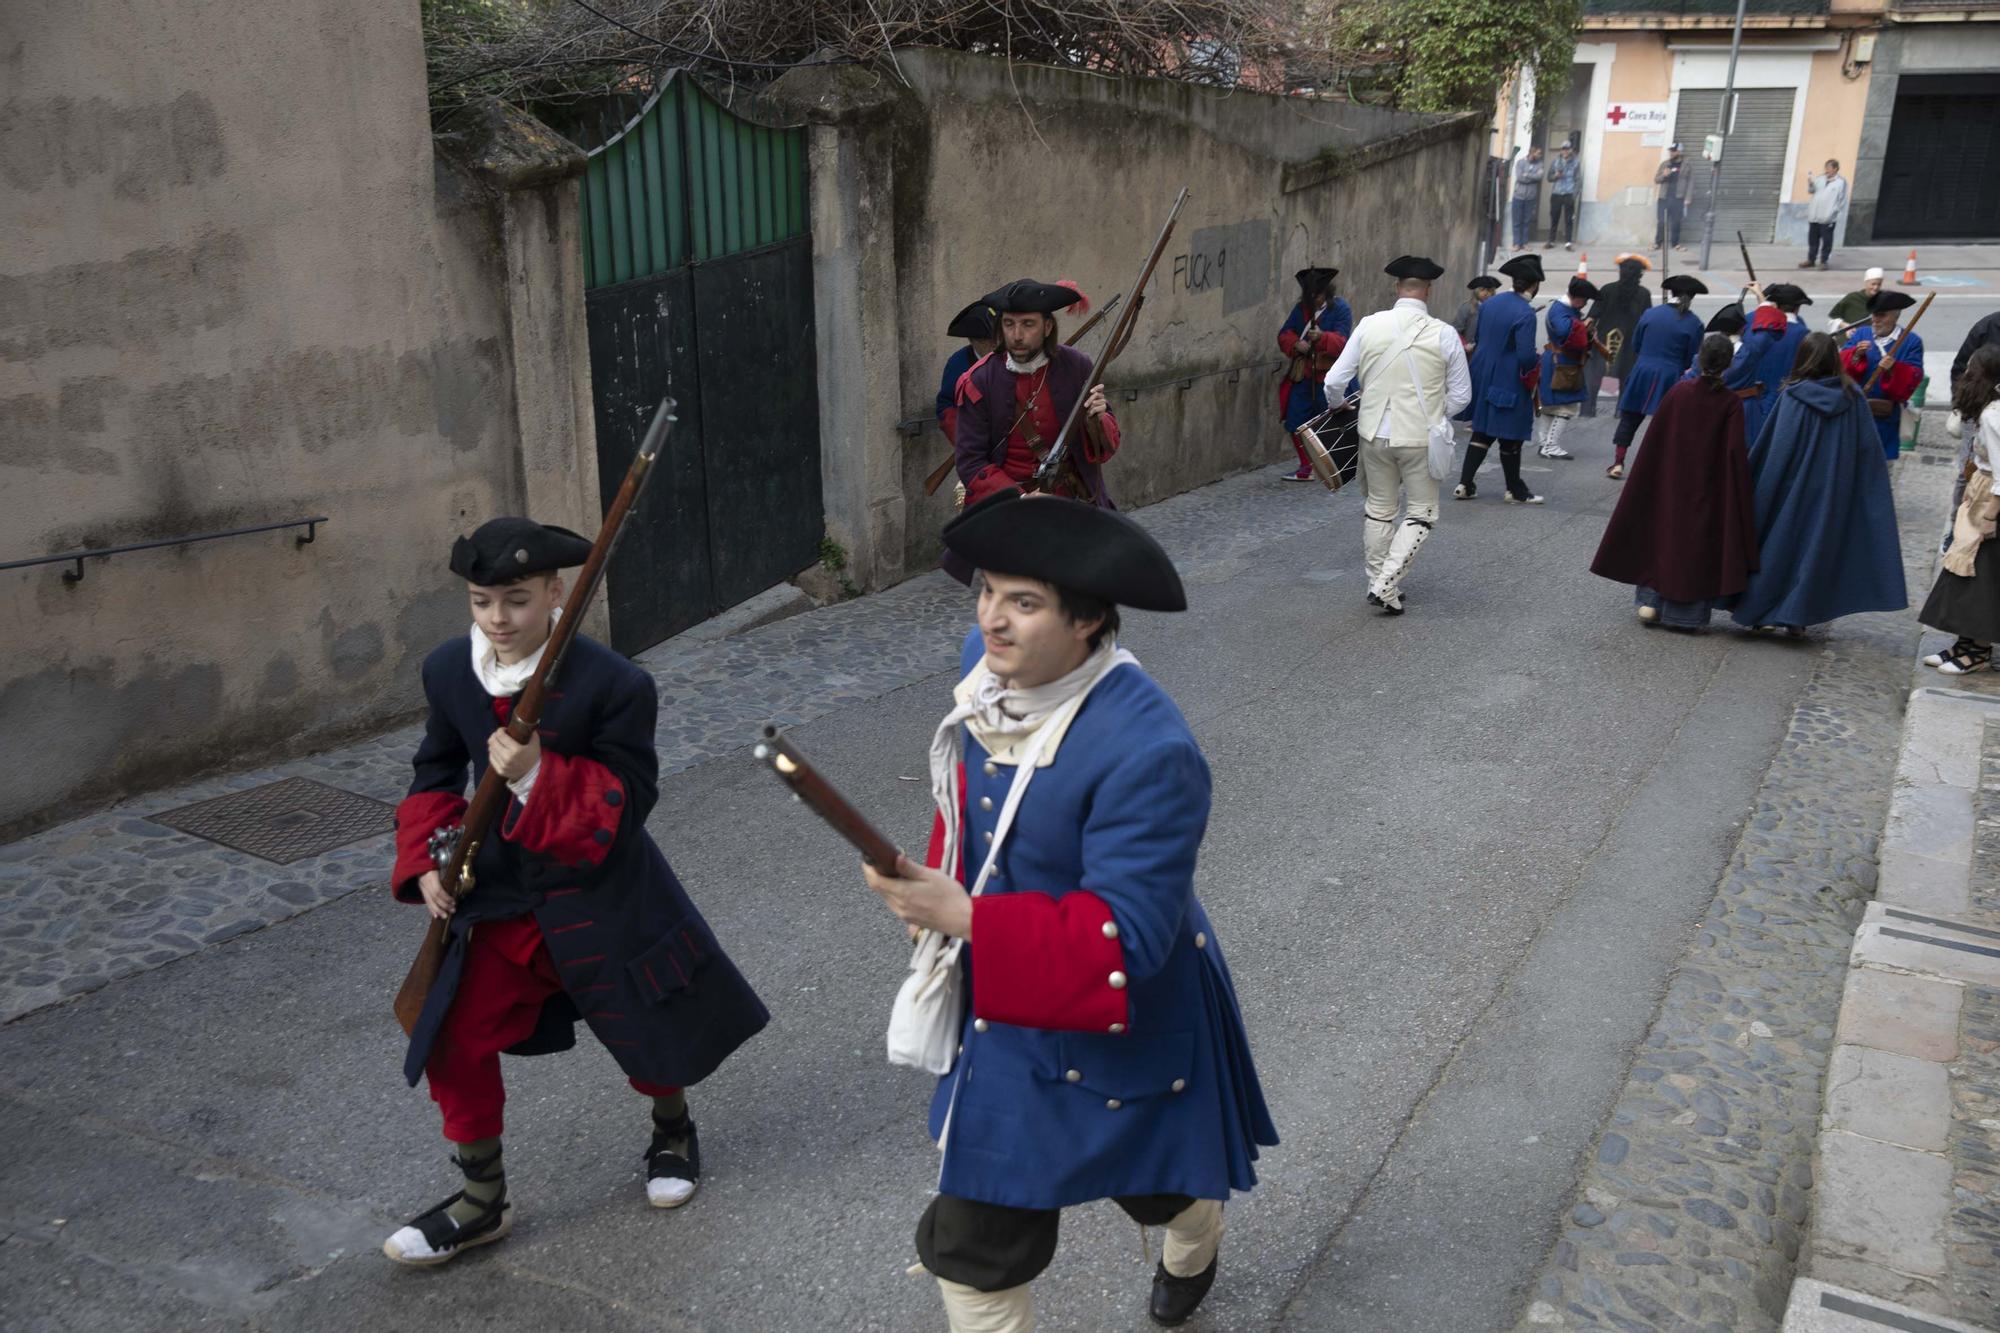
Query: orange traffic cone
[[1909, 278], [1583, 264]]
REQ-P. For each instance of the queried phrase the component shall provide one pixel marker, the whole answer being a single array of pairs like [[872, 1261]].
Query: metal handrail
[[311, 525]]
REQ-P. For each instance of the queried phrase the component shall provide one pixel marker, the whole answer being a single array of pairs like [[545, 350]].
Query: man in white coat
[[1413, 377]]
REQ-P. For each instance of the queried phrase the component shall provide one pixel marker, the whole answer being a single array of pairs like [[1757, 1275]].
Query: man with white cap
[[1413, 378], [1854, 306]]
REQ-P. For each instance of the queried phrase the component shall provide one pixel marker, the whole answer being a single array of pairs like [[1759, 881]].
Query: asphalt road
[[1452, 860]]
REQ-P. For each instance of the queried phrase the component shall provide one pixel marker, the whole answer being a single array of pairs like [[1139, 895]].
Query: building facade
[[1905, 96]]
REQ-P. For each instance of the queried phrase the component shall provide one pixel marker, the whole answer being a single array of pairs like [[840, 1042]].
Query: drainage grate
[[283, 821]]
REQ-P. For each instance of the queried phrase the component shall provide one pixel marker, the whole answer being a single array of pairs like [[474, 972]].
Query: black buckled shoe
[[671, 1178], [1176, 1298]]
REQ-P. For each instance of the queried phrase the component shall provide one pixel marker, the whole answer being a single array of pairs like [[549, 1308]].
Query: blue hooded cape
[[1826, 525]]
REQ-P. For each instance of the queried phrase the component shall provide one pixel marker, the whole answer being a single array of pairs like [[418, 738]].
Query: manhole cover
[[283, 821]]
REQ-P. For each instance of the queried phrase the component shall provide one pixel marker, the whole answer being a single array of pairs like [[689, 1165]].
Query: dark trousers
[[1510, 463], [1562, 217], [1668, 213], [990, 1247], [1819, 242], [1524, 221], [1628, 426]]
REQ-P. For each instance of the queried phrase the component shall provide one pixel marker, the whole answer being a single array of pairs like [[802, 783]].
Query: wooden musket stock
[[490, 798], [819, 795]]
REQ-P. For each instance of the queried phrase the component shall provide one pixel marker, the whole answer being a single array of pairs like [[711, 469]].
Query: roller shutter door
[[1941, 173], [1753, 160]]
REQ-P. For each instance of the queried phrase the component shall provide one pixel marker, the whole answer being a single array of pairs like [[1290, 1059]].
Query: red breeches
[[508, 974]]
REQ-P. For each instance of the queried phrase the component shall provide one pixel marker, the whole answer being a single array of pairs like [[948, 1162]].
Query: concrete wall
[[977, 172], [238, 287], [1955, 47]]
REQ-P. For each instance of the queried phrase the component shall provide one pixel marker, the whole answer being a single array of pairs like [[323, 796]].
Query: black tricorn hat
[[1025, 296], [1486, 281], [1311, 280], [1583, 287], [1070, 544], [1524, 268], [1414, 266], [1787, 295], [1728, 320], [978, 320], [1884, 301], [1682, 284], [502, 550]]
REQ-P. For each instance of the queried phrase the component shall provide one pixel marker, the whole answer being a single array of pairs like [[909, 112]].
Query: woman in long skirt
[[1685, 531], [1965, 600], [1827, 544]]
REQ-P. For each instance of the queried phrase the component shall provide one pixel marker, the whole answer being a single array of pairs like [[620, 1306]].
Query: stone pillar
[[533, 172]]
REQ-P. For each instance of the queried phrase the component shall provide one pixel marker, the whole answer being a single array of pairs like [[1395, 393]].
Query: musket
[[944, 469], [819, 795], [454, 849], [1744, 250], [1889, 352], [1121, 333]]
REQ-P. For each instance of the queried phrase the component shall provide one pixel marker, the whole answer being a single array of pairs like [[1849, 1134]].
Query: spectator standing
[[1563, 173], [1672, 177], [1829, 200], [1528, 174]]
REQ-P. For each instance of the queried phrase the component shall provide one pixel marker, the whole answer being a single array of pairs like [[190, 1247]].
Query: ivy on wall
[[1454, 55]]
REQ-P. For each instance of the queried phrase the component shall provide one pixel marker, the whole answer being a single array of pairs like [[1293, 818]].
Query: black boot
[[1176, 1298]]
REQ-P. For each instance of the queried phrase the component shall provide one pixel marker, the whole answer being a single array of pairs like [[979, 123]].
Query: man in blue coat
[[1561, 381], [1664, 343], [1311, 337], [1863, 352], [1102, 1054], [1503, 381], [573, 914], [1764, 359], [979, 325]]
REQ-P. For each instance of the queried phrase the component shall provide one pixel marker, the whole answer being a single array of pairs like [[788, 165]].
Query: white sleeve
[[1343, 366], [525, 783], [1989, 436], [1457, 379]]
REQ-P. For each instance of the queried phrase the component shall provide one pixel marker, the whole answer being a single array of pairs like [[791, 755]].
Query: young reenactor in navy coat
[[979, 325], [1102, 1055], [573, 913], [1504, 370], [1664, 343], [1770, 346], [1310, 338], [1568, 345]]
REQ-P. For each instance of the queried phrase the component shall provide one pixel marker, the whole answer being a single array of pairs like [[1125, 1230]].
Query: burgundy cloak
[[1685, 524]]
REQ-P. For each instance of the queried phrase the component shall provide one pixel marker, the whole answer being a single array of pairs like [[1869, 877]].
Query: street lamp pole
[[1721, 132]]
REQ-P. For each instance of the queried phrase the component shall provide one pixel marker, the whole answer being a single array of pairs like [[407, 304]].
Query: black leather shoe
[[1176, 1298]]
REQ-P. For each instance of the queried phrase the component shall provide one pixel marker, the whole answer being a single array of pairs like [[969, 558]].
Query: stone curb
[[1905, 1218]]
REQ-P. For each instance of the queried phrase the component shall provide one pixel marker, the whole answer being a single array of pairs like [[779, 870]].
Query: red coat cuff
[[1899, 381], [572, 814], [1092, 453], [417, 817], [985, 482], [1288, 342], [1855, 362], [1331, 345], [1577, 339], [1051, 963], [948, 423]]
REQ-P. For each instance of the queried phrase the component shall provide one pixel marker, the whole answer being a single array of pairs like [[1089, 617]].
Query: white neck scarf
[[1031, 365], [504, 680], [991, 711]]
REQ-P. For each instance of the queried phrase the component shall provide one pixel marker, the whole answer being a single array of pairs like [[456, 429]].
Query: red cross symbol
[[1616, 114]]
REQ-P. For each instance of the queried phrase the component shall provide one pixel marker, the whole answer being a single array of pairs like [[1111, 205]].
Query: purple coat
[[986, 414]]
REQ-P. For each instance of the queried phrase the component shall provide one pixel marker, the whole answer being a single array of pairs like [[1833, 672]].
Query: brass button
[[1111, 930], [1074, 1076], [1180, 1085], [992, 769], [986, 803], [1200, 940], [1117, 980], [979, 1025], [1113, 1104], [1117, 1028]]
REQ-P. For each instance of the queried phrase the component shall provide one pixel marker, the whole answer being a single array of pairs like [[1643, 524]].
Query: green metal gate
[[698, 276]]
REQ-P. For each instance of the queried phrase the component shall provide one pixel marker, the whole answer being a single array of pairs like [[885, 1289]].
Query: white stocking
[[973, 1311]]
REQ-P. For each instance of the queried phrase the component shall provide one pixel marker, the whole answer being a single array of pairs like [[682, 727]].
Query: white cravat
[[504, 680], [1030, 366]]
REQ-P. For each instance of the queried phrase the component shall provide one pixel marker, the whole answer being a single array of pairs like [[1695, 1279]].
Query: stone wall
[[239, 287], [966, 172]]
